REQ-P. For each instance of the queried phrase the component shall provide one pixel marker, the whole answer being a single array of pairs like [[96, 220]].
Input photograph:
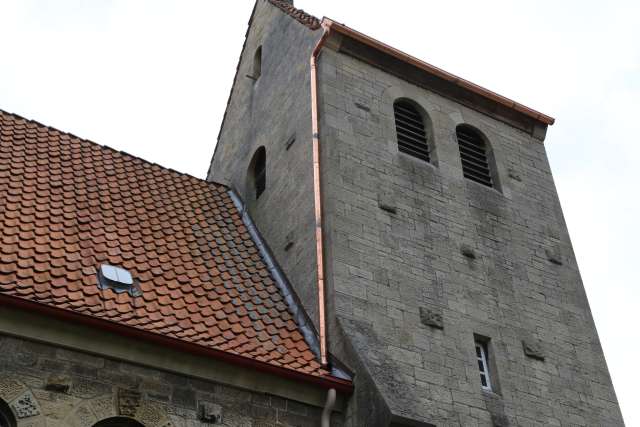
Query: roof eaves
[[326, 382]]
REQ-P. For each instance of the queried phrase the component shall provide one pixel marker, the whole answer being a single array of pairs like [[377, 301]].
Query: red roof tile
[[68, 205], [298, 14]]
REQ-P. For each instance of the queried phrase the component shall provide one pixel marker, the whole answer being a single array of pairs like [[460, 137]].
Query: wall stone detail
[[431, 317], [468, 251], [387, 202], [209, 412], [533, 348], [25, 406], [554, 256], [128, 402], [10, 388], [58, 383], [155, 399]]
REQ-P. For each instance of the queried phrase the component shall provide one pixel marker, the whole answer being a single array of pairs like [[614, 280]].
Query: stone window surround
[[483, 365]]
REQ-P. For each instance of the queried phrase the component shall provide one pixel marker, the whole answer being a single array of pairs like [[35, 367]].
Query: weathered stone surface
[[128, 402], [385, 267], [25, 406], [10, 388], [431, 317], [209, 412], [89, 401], [58, 383], [533, 348]]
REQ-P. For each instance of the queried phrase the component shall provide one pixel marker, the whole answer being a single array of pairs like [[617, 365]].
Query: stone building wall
[[48, 386], [274, 111], [420, 261]]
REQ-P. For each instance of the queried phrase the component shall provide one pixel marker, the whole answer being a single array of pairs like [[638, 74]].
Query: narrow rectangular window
[[483, 365]]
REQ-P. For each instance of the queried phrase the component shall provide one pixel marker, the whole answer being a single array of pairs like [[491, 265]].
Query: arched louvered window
[[6, 416], [118, 422], [410, 130], [258, 171], [473, 153]]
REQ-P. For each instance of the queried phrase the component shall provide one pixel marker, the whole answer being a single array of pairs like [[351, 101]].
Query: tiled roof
[[300, 15], [68, 205]]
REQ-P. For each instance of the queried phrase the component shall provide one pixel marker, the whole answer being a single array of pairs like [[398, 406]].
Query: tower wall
[[274, 111], [391, 274]]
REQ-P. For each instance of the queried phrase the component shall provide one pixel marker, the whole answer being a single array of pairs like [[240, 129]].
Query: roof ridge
[[106, 147], [299, 15]]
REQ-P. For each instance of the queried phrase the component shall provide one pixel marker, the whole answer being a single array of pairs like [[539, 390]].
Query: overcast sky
[[152, 78]]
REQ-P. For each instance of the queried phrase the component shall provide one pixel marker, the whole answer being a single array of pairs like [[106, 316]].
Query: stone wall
[[274, 111], [421, 261], [48, 386]]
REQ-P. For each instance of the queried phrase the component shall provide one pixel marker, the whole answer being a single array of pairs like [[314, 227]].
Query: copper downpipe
[[317, 195]]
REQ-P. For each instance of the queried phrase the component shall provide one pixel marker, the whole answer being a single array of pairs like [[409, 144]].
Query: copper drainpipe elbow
[[317, 194]]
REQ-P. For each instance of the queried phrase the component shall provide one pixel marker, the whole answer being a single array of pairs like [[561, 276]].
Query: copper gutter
[[317, 195], [327, 382], [472, 87]]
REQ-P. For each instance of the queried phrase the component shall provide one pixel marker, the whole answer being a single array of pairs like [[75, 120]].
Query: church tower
[[433, 229]]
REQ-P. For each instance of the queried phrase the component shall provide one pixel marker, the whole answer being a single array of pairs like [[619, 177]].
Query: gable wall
[[269, 112]]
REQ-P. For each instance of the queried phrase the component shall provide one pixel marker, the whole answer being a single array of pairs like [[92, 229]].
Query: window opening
[[410, 130], [260, 171], [473, 153], [483, 367]]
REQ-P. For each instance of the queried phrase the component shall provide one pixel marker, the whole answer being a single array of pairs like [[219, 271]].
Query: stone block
[[58, 383], [25, 406], [533, 348], [431, 317], [387, 202], [209, 412], [128, 402]]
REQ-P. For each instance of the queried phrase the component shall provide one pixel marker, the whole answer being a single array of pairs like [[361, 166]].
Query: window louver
[[473, 153], [412, 138]]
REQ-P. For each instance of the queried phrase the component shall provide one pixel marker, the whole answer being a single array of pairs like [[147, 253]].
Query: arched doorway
[[118, 422], [6, 416]]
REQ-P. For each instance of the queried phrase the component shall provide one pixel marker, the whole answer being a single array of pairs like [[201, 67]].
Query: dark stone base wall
[[46, 386]]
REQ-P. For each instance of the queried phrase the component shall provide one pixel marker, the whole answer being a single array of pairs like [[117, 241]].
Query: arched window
[[118, 422], [410, 130], [6, 416], [257, 178], [473, 153], [257, 63]]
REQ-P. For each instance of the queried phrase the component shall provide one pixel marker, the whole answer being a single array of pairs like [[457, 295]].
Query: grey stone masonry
[[48, 386], [452, 262], [420, 262], [274, 111]]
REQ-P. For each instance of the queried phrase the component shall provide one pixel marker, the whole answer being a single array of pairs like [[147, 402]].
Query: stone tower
[[451, 287]]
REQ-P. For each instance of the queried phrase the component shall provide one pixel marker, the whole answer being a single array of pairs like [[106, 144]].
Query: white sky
[[152, 77]]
